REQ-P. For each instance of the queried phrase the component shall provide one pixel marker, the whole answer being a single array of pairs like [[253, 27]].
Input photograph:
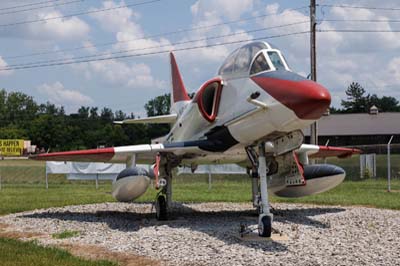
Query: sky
[[94, 29]]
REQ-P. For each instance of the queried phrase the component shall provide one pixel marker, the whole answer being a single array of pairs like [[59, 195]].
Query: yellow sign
[[11, 147]]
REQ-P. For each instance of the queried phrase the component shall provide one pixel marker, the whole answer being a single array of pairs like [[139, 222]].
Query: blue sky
[[373, 59]]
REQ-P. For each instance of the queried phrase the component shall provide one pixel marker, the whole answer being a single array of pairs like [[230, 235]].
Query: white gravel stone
[[207, 233]]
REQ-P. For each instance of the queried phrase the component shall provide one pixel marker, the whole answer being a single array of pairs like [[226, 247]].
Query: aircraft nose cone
[[313, 102], [307, 99]]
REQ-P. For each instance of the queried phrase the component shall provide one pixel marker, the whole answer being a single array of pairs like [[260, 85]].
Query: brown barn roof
[[358, 124]]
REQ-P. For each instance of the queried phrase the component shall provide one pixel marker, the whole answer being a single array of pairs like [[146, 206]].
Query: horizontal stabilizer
[[161, 119]]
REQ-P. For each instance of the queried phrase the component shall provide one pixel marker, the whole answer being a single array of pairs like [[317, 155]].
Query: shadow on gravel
[[303, 216], [223, 225]]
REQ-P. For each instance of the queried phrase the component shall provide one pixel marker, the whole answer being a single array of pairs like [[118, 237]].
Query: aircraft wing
[[161, 119], [315, 151], [145, 153]]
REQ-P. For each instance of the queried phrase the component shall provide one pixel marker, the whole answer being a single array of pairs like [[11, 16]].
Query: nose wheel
[[265, 225]]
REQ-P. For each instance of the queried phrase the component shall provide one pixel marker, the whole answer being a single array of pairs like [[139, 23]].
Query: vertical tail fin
[[179, 92]]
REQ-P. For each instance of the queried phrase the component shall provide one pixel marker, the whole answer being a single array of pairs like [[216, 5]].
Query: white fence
[[86, 171], [108, 171]]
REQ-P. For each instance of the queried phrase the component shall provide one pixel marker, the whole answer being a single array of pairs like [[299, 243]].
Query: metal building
[[368, 131]]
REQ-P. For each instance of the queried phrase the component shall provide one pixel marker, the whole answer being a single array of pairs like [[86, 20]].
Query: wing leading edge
[[145, 153]]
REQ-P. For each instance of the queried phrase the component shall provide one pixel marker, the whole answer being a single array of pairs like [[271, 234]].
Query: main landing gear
[[164, 197], [161, 208], [262, 166]]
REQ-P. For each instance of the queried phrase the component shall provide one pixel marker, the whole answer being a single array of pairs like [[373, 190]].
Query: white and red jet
[[251, 114]]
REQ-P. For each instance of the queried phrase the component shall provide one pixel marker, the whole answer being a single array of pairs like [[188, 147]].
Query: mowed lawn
[[17, 253]]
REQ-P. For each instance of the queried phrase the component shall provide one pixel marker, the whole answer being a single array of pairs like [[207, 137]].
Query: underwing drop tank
[[319, 178], [130, 184]]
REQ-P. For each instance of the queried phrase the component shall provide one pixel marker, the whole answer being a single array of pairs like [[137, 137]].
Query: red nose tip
[[312, 100], [306, 98]]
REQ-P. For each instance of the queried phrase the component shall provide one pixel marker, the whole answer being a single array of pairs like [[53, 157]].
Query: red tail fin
[[179, 92]]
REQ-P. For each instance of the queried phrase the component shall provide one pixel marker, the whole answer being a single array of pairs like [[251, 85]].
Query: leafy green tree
[[51, 109], [384, 104], [13, 132], [83, 112], [357, 101], [18, 108], [3, 111], [119, 115], [107, 115], [93, 113], [159, 105], [49, 131]]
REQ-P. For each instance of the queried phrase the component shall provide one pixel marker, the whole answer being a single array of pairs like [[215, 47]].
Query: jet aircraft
[[251, 114]]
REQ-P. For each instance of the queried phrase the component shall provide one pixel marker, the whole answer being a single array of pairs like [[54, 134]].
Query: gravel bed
[[207, 233]]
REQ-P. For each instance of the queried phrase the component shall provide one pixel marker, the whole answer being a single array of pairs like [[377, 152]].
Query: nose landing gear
[[261, 168]]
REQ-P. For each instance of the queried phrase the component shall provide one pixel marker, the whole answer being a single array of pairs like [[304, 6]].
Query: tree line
[[358, 101], [49, 127]]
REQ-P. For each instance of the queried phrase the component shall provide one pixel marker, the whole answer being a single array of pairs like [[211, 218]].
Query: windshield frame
[[269, 61]]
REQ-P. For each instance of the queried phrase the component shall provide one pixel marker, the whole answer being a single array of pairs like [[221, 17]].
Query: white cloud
[[128, 32], [232, 9], [365, 42], [57, 94], [65, 29], [121, 19], [394, 69], [207, 13], [3, 64], [117, 73], [62, 29]]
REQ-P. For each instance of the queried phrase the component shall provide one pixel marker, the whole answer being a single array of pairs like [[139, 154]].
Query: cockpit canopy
[[253, 58]]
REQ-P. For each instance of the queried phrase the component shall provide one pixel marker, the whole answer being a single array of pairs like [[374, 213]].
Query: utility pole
[[313, 63]]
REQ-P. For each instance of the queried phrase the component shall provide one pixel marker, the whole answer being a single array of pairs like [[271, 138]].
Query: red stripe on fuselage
[[306, 98]]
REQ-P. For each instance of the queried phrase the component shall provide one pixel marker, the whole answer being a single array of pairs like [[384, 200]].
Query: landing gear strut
[[164, 197], [261, 168], [265, 217]]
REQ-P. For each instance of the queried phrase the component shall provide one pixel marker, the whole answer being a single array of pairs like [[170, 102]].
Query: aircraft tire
[[161, 208], [265, 226]]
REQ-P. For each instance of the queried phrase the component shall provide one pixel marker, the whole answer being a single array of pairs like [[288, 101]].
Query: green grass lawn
[[17, 253]]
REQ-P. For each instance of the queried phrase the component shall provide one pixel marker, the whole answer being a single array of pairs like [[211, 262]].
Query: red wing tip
[[80, 155], [328, 151]]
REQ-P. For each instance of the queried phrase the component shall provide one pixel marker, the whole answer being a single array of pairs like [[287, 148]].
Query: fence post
[[47, 180], [97, 180], [388, 161], [209, 177], [1, 158]]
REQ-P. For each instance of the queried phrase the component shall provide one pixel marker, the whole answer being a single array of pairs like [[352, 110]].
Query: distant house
[[363, 130]]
